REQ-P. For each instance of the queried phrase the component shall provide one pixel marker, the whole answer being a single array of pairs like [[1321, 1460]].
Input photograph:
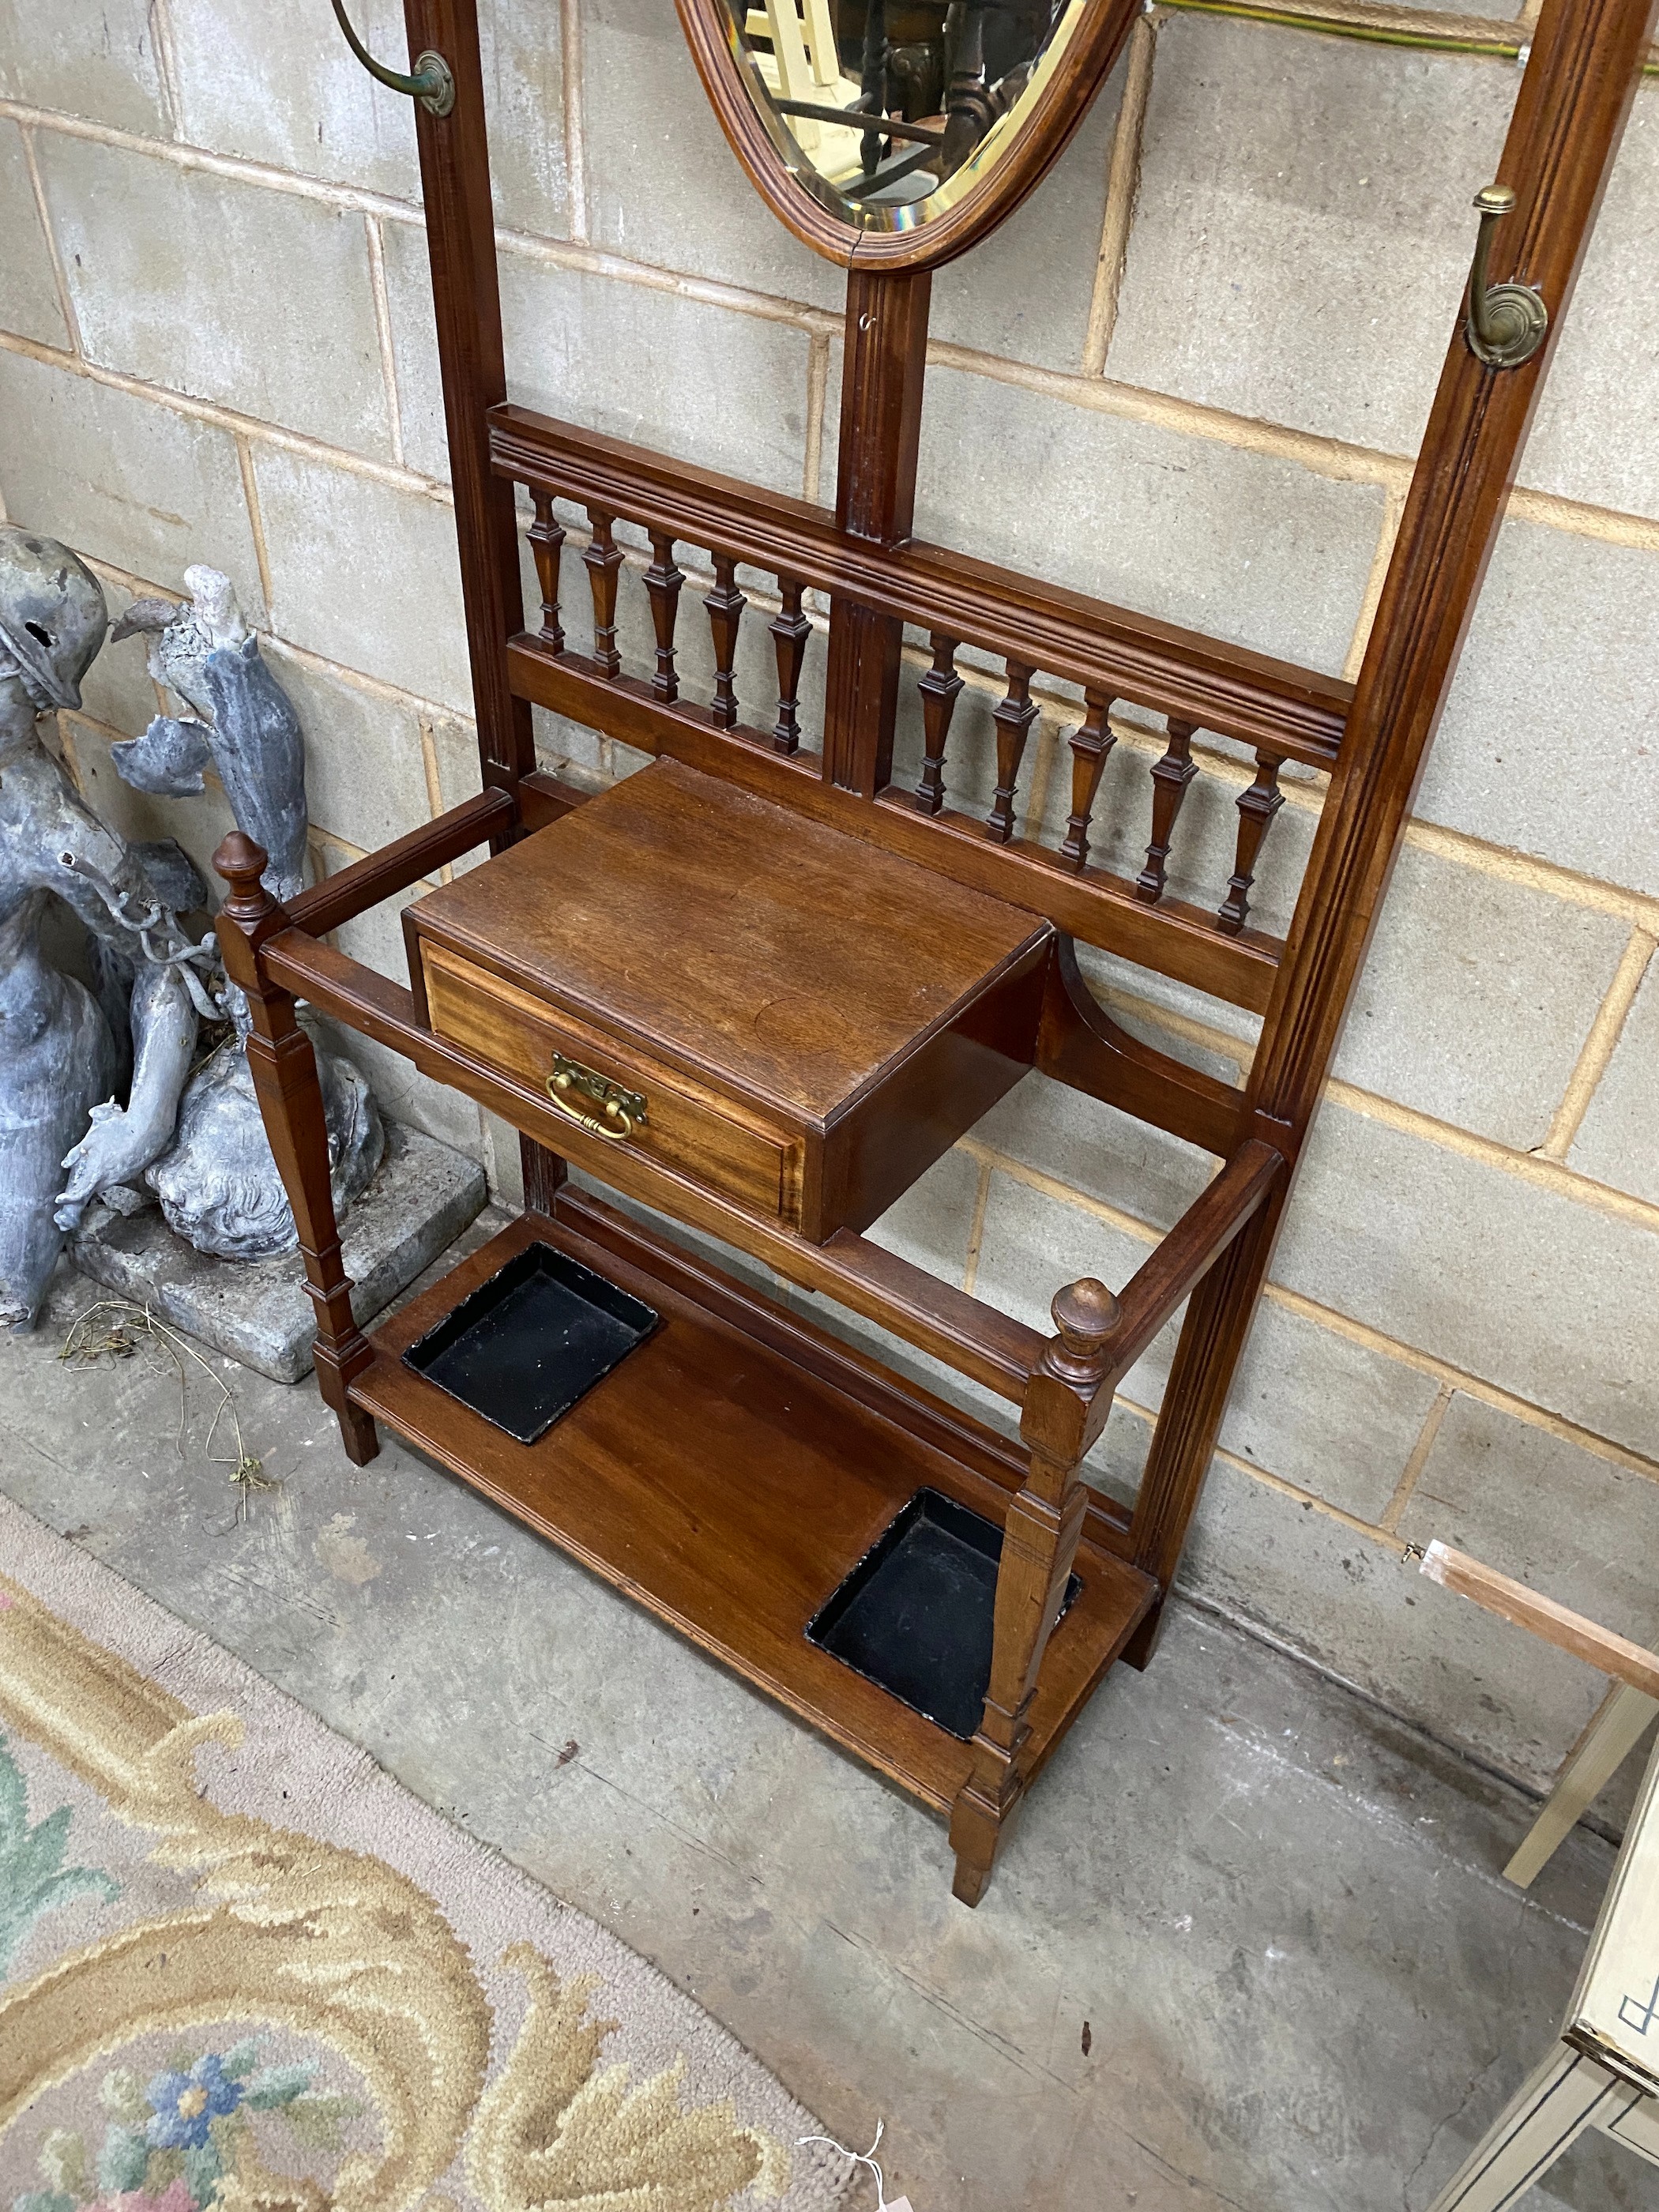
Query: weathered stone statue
[[240, 719], [62, 1051], [69, 1052], [218, 1185]]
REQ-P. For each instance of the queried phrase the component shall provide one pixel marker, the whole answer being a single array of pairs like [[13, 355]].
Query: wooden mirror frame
[[1059, 108]]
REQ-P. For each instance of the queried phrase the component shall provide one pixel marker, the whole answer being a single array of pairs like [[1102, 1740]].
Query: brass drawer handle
[[620, 1112]]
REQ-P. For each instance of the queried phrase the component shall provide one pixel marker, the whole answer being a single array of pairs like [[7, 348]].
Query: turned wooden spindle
[[283, 1066], [1090, 743], [546, 538], [940, 688], [1013, 717], [725, 604], [1171, 777], [662, 583], [603, 557], [790, 631], [1257, 809]]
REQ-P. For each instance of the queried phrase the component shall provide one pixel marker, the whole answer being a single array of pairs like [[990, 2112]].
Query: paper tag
[[898, 2204]]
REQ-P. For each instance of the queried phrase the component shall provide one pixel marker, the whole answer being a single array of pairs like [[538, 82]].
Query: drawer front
[[686, 1128]]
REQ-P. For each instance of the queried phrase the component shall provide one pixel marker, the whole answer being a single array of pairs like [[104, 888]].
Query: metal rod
[[433, 84], [876, 180], [858, 117], [1426, 40]]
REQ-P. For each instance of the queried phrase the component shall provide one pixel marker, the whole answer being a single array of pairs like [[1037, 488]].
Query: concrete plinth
[[422, 1198]]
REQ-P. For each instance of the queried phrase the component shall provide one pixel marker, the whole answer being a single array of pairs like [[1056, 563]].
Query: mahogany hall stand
[[731, 1471]]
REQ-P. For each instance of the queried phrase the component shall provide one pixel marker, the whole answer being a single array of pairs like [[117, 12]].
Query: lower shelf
[[731, 1471]]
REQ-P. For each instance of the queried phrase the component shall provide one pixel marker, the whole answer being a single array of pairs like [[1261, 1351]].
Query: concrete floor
[[1248, 1946]]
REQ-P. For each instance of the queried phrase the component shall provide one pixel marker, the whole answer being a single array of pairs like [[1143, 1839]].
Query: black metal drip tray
[[523, 1347], [915, 1613]]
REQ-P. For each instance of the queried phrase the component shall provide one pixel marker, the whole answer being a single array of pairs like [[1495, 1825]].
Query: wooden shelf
[[728, 1475]]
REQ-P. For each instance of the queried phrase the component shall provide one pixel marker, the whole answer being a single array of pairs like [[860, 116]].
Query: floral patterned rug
[[242, 1971]]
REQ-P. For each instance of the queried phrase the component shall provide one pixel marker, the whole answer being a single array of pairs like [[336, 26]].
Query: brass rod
[[433, 83], [1378, 35]]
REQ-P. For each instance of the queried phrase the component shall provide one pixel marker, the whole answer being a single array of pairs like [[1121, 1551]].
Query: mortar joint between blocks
[[1598, 1046], [1122, 189], [1417, 1460]]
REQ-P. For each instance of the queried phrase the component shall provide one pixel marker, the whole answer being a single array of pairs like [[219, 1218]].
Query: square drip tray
[[915, 1615], [527, 1345]]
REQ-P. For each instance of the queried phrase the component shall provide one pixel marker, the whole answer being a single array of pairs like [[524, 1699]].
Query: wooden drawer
[[691, 1129]]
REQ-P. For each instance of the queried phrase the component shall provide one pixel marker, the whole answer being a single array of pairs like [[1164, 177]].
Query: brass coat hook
[[1506, 323], [433, 83]]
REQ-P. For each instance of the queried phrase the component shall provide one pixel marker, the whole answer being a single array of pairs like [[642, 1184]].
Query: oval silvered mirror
[[901, 130]]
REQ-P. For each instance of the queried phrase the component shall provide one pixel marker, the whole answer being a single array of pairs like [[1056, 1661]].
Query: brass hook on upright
[[1506, 323], [433, 84]]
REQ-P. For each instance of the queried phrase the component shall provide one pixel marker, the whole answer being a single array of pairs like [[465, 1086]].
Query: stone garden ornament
[[64, 1052], [217, 1184], [241, 721], [68, 1052]]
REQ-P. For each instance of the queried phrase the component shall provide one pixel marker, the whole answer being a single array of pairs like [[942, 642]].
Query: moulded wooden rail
[[542, 797], [1080, 1044], [352, 890], [1250, 696], [1181, 1260]]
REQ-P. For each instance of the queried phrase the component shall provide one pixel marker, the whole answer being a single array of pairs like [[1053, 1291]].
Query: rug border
[[821, 2191]]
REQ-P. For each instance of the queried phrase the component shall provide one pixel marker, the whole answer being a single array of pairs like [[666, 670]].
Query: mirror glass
[[890, 110]]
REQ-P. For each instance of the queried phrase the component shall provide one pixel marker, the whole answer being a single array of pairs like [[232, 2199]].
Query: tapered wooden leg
[[284, 1070], [1218, 1317], [1615, 1729], [1039, 1543]]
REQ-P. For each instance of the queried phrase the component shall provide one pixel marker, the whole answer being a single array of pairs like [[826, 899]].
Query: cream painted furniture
[[1604, 2071], [1615, 1728], [804, 64]]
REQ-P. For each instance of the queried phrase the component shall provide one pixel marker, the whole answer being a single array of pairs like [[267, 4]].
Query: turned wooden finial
[[241, 863], [1085, 1314]]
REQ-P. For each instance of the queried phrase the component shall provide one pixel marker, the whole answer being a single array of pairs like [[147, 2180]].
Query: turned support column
[[1040, 1539], [284, 1070]]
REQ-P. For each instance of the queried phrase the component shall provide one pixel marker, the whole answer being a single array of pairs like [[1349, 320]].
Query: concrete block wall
[[1189, 375]]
